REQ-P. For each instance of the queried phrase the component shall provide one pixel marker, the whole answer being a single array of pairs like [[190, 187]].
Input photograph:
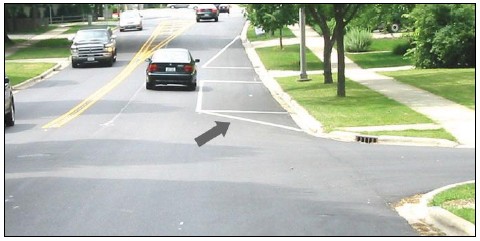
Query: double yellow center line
[[145, 51]]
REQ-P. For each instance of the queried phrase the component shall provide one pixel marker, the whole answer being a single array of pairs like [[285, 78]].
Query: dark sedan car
[[9, 104], [172, 66]]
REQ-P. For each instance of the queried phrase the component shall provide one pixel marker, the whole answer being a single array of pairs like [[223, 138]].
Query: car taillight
[[214, 10], [188, 68], [152, 68]]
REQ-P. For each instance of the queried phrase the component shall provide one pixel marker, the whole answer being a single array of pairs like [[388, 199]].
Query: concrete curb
[[308, 123], [27, 83], [448, 222]]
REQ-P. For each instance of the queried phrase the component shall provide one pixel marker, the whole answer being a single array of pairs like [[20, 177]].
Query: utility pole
[[303, 62]]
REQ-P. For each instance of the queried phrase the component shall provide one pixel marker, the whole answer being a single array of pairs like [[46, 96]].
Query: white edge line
[[232, 81], [220, 52], [227, 67], [246, 111], [199, 97], [110, 122], [253, 121]]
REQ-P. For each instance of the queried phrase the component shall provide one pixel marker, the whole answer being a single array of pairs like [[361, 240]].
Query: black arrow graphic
[[220, 128]]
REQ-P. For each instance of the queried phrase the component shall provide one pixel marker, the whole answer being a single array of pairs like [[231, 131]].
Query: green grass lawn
[[275, 58], [457, 85], [286, 33], [361, 107], [19, 72], [379, 59], [386, 44], [462, 192], [439, 134], [50, 48]]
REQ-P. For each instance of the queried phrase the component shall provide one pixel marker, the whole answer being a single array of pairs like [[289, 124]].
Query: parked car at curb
[[93, 45], [207, 11], [171, 66], [9, 104], [130, 20]]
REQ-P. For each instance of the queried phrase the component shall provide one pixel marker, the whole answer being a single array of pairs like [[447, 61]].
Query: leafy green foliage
[[444, 35], [358, 40], [272, 17], [457, 85], [382, 16]]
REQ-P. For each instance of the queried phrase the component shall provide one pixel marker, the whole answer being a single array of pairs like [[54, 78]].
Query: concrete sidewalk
[[455, 118]]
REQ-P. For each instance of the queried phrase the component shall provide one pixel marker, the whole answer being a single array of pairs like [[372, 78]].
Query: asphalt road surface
[[93, 153]]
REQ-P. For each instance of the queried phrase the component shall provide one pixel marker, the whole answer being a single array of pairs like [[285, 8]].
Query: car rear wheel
[[10, 116], [192, 87], [150, 86], [216, 19]]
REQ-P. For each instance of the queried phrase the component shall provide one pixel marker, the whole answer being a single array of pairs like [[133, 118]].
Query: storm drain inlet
[[366, 139]]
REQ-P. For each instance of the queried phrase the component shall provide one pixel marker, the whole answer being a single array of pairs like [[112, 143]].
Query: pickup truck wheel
[[74, 64], [109, 62]]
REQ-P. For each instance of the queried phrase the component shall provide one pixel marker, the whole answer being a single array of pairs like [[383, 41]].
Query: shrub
[[444, 35], [358, 40], [402, 48]]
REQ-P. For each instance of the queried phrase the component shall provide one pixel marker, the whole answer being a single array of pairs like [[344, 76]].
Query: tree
[[342, 14], [321, 14], [383, 16], [272, 17], [444, 35]]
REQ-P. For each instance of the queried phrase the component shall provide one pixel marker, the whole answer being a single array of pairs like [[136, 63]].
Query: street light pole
[[303, 62]]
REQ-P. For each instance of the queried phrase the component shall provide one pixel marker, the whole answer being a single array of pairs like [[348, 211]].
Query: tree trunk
[[339, 27], [328, 41], [327, 61], [281, 39]]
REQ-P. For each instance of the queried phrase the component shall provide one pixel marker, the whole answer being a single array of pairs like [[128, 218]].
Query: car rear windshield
[[171, 56], [129, 15]]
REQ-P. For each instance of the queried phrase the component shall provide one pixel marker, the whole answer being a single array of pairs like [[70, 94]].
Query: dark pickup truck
[[93, 45]]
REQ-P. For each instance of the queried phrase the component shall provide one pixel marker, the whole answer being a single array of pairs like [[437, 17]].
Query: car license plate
[[91, 59], [170, 69]]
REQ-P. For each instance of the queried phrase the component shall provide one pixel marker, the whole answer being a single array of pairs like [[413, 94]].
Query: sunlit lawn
[[361, 107], [457, 85], [379, 59], [19, 72], [462, 192], [288, 58]]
